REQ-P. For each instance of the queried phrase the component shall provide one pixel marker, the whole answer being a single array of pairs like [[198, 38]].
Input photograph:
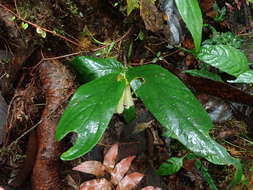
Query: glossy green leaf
[[204, 74], [179, 112], [227, 38], [204, 172], [89, 68], [89, 112], [246, 77], [129, 114], [171, 166], [224, 57], [192, 16]]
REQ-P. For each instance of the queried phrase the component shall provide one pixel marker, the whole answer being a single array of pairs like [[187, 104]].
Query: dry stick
[[2, 76], [79, 52], [37, 26]]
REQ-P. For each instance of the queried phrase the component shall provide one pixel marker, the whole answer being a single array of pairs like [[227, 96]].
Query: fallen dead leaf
[[110, 157], [91, 167], [96, 184], [120, 169], [130, 181], [151, 188]]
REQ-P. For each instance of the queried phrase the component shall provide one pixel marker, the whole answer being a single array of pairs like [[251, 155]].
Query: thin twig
[[62, 56], [1, 77], [61, 36], [41, 28], [91, 50]]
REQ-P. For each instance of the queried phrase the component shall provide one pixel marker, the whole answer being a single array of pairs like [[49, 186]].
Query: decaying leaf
[[110, 157], [91, 167], [117, 172], [120, 169], [151, 188], [96, 184], [130, 181]]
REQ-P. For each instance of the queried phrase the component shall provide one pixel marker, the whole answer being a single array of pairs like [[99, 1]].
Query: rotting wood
[[58, 84]]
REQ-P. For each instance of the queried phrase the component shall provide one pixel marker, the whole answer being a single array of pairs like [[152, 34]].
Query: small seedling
[[119, 180], [158, 57], [109, 90]]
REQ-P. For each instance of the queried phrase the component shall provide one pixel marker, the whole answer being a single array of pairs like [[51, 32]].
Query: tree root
[[58, 85]]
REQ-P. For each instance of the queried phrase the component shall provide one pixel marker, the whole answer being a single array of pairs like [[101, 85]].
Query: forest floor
[[39, 38]]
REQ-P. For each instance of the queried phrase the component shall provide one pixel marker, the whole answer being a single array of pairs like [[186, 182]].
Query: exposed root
[[58, 84]]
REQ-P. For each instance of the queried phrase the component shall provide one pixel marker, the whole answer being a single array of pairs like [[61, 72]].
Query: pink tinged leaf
[[121, 169], [91, 167], [151, 188], [130, 181], [110, 157], [96, 184]]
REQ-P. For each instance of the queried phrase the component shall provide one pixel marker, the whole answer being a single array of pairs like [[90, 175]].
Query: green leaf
[[13, 18], [227, 38], [41, 32], [24, 25], [251, 169], [172, 166], [204, 74], [179, 112], [204, 172], [89, 112], [192, 16], [224, 57], [129, 114], [246, 77], [89, 68], [131, 5]]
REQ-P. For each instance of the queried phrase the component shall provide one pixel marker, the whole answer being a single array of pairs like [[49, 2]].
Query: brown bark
[[58, 85], [26, 168]]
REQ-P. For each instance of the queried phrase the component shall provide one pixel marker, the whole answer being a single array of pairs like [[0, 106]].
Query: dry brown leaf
[[130, 181], [151, 188], [97, 168], [110, 157], [91, 167], [71, 182], [233, 151], [120, 169], [96, 184]]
